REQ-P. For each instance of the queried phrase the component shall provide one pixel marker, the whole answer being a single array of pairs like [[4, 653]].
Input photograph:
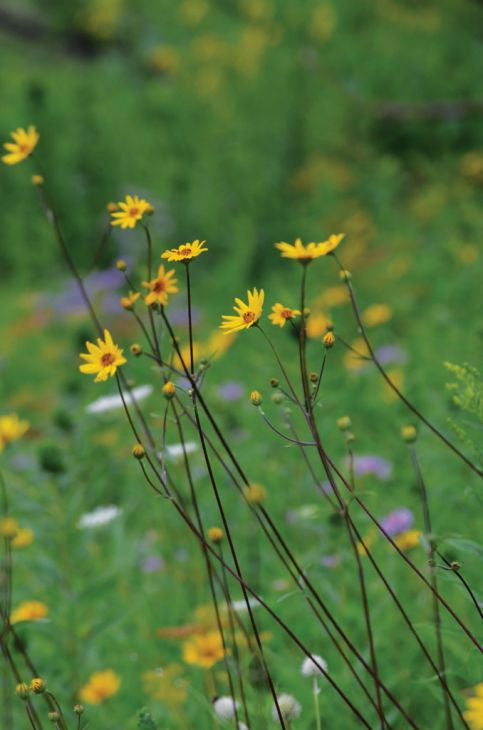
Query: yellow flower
[[23, 538], [474, 708], [24, 143], [160, 287], [204, 650], [409, 539], [316, 325], [281, 314], [355, 360], [367, 542], [328, 340], [185, 252], [376, 314], [167, 685], [396, 376], [309, 251], [246, 314], [37, 180], [29, 611], [103, 358], [99, 687], [255, 493], [8, 527], [11, 429], [129, 301], [215, 534], [131, 211]]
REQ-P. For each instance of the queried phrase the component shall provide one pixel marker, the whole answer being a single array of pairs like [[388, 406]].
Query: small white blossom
[[110, 402], [98, 517], [225, 707], [289, 707], [310, 669], [175, 451]]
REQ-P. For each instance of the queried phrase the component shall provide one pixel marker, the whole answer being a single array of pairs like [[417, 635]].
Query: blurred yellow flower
[[23, 538], [193, 12], [103, 358], [468, 253], [164, 59], [308, 252], [323, 21], [160, 287], [29, 611], [409, 539], [333, 296], [131, 211], [24, 143], [246, 314], [316, 325], [166, 684], [204, 650], [376, 314], [474, 708], [280, 314], [352, 360], [99, 687], [185, 252], [217, 344], [11, 429], [8, 527], [129, 301], [367, 542], [255, 493], [472, 165], [396, 376]]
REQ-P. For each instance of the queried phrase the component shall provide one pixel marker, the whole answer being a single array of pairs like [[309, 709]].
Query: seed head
[[313, 377], [224, 707], [310, 669], [78, 709]]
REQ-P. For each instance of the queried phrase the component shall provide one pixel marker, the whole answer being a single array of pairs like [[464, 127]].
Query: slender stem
[[316, 692], [457, 573], [190, 323]]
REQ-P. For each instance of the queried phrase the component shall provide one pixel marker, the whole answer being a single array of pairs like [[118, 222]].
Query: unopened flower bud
[[138, 451], [37, 685], [329, 339], [22, 691], [169, 390], [256, 398], [349, 437], [111, 207], [255, 493], [149, 209], [78, 709], [121, 265], [455, 566], [344, 423], [37, 180], [409, 434], [216, 534], [136, 349], [345, 275], [313, 377], [274, 382]]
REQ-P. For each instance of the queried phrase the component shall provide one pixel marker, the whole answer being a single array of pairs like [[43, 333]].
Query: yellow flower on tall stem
[[474, 708], [24, 143], [12, 428], [130, 211], [185, 252], [280, 314], [129, 301], [246, 314], [204, 650], [160, 287], [305, 253], [99, 687], [29, 611], [103, 358]]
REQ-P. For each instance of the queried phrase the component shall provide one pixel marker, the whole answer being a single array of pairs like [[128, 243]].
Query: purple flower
[[375, 465], [388, 354], [152, 564], [231, 391], [398, 521], [330, 561]]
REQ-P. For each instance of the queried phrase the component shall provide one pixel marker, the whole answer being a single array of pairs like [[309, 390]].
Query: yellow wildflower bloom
[[129, 301], [11, 429], [23, 538], [355, 360], [204, 650], [99, 687], [316, 325], [167, 685], [24, 143], [29, 611], [255, 493], [8, 527], [376, 314], [308, 252], [474, 708], [131, 210], [281, 314], [103, 358], [185, 252], [246, 314], [409, 539], [160, 287]]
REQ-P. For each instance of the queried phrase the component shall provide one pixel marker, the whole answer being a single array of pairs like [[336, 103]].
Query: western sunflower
[[102, 359], [246, 314]]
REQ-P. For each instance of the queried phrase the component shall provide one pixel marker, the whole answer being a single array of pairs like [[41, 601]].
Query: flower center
[[286, 313], [185, 251], [159, 286], [133, 212], [249, 317], [24, 148], [107, 359]]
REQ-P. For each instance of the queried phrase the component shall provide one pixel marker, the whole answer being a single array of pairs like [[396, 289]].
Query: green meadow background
[[244, 122]]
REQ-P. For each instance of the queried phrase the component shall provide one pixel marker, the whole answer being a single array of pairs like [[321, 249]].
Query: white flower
[[175, 451], [289, 707], [99, 516], [242, 726], [225, 707], [110, 402], [310, 669], [241, 605]]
